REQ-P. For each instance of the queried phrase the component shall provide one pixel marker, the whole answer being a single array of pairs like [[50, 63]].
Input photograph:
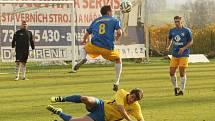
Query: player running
[[181, 39], [120, 107], [102, 31]]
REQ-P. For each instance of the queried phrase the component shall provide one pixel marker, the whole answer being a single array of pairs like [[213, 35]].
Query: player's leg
[[94, 106], [83, 56], [87, 100], [183, 79], [17, 70], [83, 118], [67, 117], [173, 67], [73, 98], [89, 49], [18, 63], [24, 58], [173, 78], [90, 102], [59, 112], [183, 64], [23, 69], [114, 56], [118, 70]]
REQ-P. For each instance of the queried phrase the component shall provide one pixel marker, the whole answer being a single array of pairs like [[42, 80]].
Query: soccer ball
[[125, 6]]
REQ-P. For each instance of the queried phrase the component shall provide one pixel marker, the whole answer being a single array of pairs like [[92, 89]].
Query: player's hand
[[33, 53], [181, 51], [13, 52], [167, 49]]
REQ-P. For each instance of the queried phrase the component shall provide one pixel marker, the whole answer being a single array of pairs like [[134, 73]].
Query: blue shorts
[[97, 113]]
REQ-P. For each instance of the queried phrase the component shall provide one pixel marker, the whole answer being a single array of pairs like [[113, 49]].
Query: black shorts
[[22, 55]]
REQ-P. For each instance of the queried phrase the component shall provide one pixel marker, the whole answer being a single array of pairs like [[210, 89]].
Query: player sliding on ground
[[120, 107], [181, 39], [103, 30]]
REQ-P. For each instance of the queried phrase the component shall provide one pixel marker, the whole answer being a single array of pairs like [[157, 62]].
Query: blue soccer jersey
[[180, 37], [103, 31]]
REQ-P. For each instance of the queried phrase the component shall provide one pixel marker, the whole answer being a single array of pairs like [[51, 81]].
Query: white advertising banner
[[196, 58], [50, 53], [132, 51], [51, 26]]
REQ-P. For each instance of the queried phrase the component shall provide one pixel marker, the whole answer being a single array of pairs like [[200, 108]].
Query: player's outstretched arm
[[124, 113], [168, 47], [118, 34], [14, 40], [32, 40]]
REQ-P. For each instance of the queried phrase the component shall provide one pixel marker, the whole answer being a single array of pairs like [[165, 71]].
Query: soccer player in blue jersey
[[181, 39], [102, 30]]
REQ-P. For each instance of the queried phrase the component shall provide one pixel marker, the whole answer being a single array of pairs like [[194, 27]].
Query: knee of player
[[172, 73], [182, 74], [84, 99]]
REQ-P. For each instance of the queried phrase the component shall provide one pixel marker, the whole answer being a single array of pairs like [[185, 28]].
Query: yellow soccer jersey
[[111, 109]]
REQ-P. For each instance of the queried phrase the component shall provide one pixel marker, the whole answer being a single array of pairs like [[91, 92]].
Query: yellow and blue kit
[[103, 29], [103, 37], [180, 38], [107, 110]]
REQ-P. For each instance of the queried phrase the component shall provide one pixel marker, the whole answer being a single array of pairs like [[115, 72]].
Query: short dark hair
[[104, 10], [138, 93], [177, 17]]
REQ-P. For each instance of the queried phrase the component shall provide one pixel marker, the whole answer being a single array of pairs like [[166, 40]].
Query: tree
[[199, 13], [156, 5]]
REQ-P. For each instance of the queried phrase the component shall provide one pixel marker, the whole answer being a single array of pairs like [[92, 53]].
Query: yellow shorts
[[95, 51], [179, 62]]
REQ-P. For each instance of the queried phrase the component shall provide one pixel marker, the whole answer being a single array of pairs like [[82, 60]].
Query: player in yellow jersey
[[123, 105]]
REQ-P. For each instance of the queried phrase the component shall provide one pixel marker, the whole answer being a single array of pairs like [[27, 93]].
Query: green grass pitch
[[27, 100]]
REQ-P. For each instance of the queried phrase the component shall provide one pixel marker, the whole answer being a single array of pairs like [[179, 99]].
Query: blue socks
[[65, 117], [74, 98]]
